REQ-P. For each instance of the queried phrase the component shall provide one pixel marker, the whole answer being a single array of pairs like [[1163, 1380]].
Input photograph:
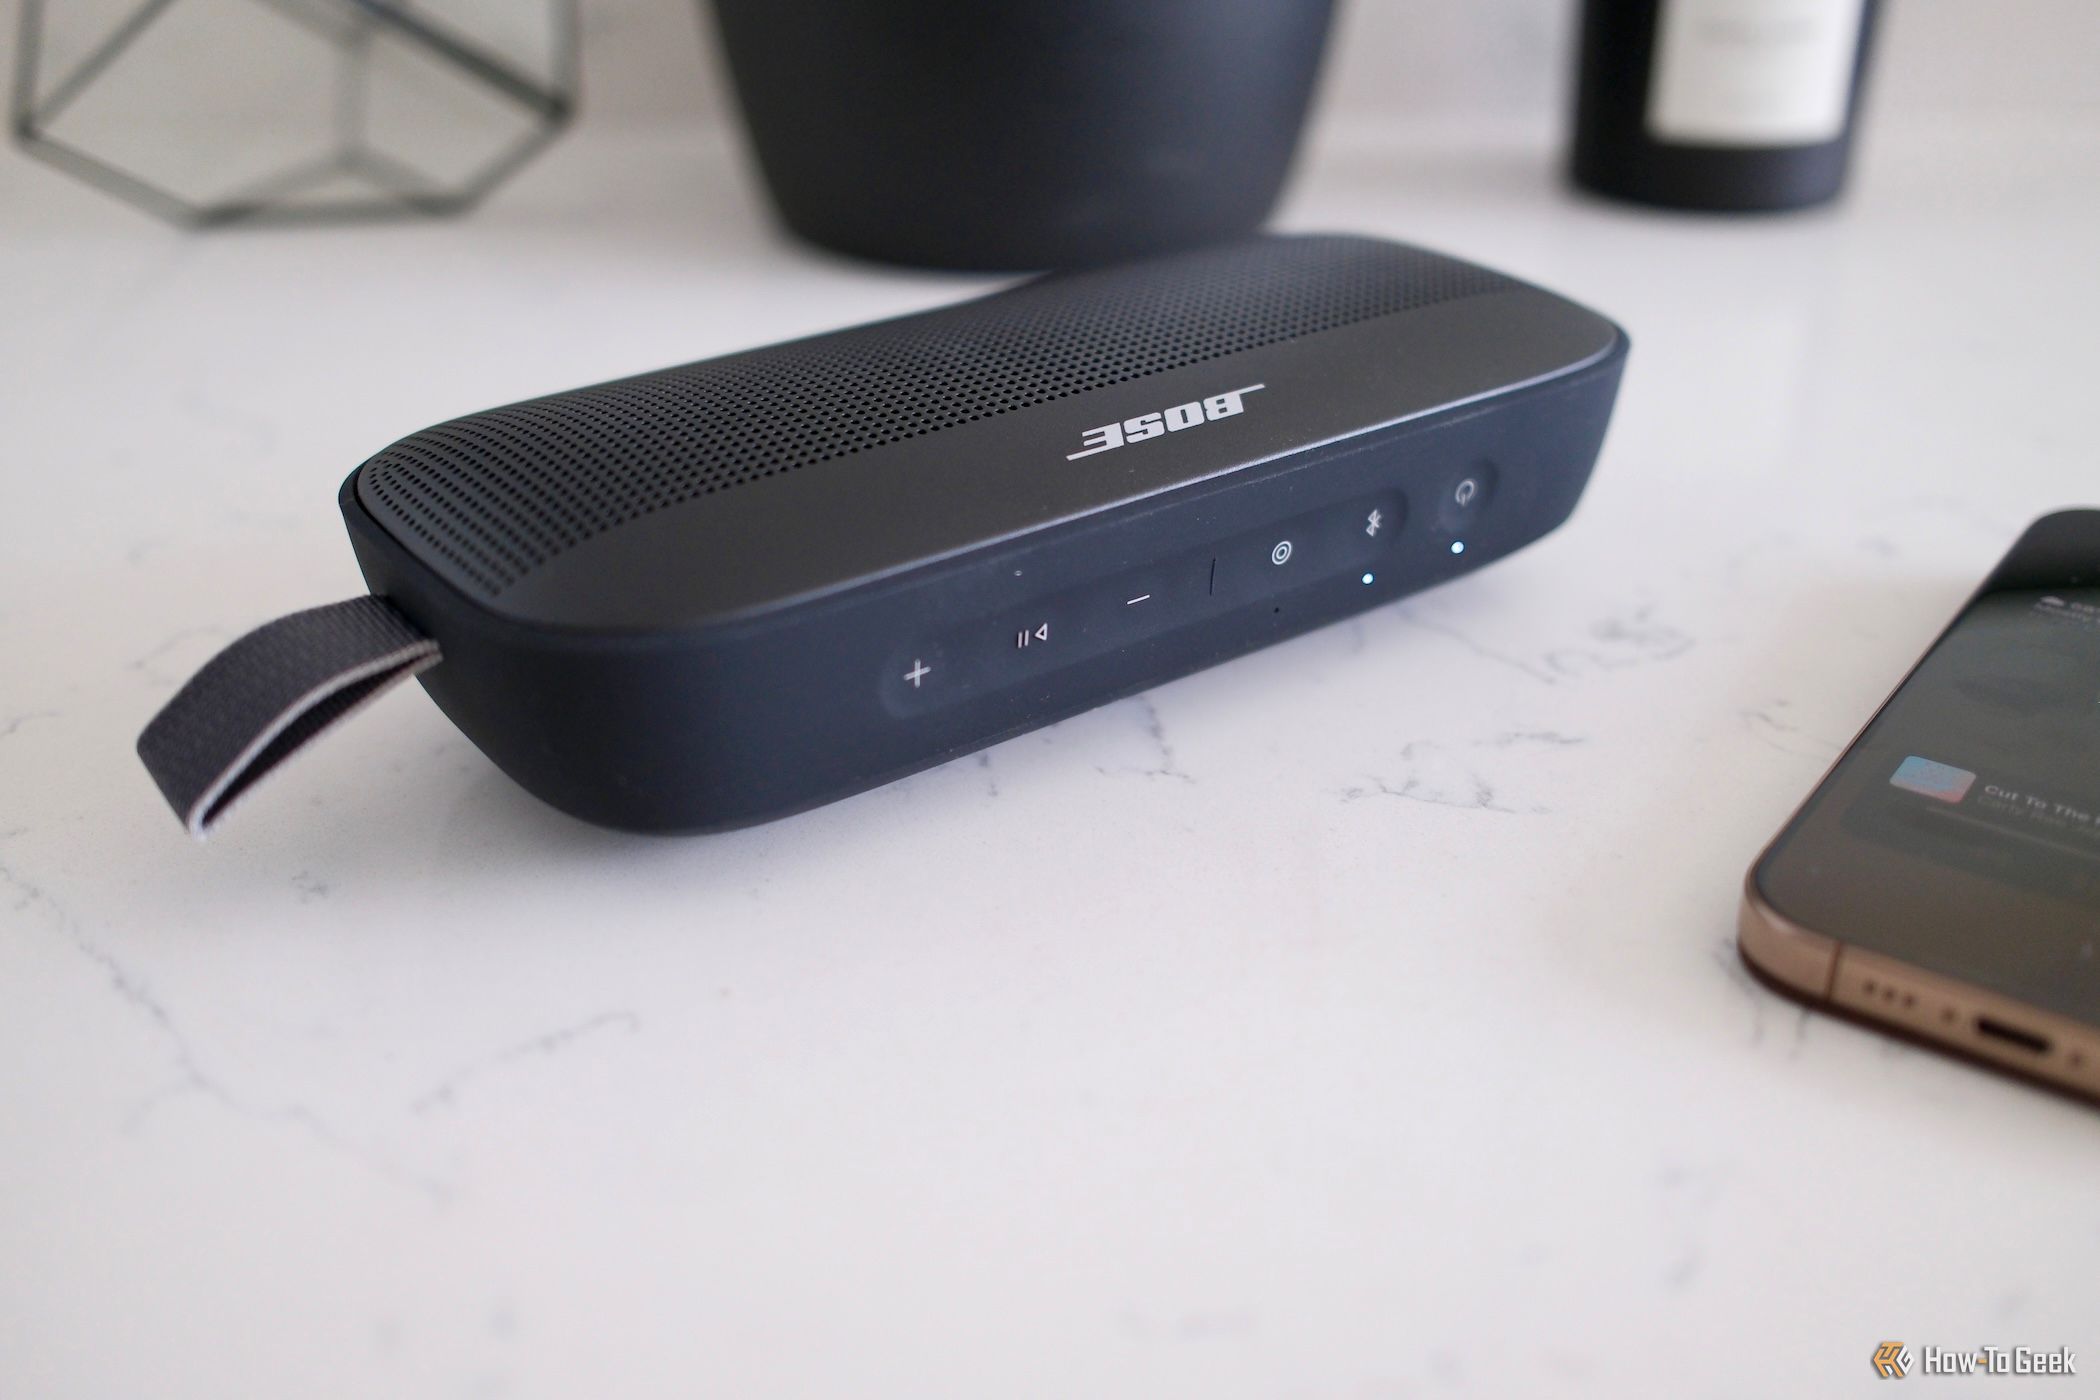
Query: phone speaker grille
[[502, 492]]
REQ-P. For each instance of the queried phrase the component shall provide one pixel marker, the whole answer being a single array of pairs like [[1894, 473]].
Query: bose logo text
[[1150, 425]]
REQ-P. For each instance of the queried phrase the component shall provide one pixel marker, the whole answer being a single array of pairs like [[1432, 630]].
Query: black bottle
[[1719, 104]]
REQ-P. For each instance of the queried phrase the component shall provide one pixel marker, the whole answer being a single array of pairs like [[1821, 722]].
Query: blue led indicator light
[[1458, 546]]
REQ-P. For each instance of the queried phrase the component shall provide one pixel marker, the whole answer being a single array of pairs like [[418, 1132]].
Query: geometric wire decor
[[211, 112]]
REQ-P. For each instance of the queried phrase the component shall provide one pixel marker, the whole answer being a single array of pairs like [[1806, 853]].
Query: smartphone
[[1944, 877]]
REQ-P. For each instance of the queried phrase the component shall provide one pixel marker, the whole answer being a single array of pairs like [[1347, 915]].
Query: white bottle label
[[1753, 72]]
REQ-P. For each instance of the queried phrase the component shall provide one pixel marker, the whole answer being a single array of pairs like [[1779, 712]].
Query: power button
[[1466, 496]]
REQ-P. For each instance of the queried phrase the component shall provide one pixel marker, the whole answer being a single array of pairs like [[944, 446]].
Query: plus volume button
[[917, 677]]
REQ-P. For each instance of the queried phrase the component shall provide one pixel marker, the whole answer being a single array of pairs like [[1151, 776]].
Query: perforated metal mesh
[[500, 493]]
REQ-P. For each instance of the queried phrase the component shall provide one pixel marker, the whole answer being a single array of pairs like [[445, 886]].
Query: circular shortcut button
[[1281, 554]]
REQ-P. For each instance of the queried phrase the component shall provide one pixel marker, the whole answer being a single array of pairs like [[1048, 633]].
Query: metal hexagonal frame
[[397, 188]]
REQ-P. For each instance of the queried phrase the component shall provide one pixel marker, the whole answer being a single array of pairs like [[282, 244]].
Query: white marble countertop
[[1360, 1018]]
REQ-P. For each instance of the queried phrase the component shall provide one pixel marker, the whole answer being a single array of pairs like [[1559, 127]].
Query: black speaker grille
[[500, 493]]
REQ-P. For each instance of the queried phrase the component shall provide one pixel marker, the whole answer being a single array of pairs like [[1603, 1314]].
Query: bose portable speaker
[[721, 593]]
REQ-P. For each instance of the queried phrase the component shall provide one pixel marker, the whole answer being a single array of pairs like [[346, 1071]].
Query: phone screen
[[1961, 832]]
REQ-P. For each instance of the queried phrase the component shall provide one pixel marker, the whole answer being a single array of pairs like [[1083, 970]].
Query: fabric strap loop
[[269, 694]]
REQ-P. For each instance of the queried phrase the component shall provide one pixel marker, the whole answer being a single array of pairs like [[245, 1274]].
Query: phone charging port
[[2012, 1035]]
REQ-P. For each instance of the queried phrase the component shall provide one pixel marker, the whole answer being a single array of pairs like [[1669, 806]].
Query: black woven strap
[[263, 698]]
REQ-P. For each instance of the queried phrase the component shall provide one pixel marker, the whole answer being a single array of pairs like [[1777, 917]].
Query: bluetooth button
[[1368, 525]]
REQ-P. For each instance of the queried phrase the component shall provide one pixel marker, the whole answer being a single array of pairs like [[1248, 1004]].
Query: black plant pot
[[1006, 134]]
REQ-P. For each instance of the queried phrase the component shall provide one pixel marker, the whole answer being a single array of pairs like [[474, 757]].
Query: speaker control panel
[[1008, 646]]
